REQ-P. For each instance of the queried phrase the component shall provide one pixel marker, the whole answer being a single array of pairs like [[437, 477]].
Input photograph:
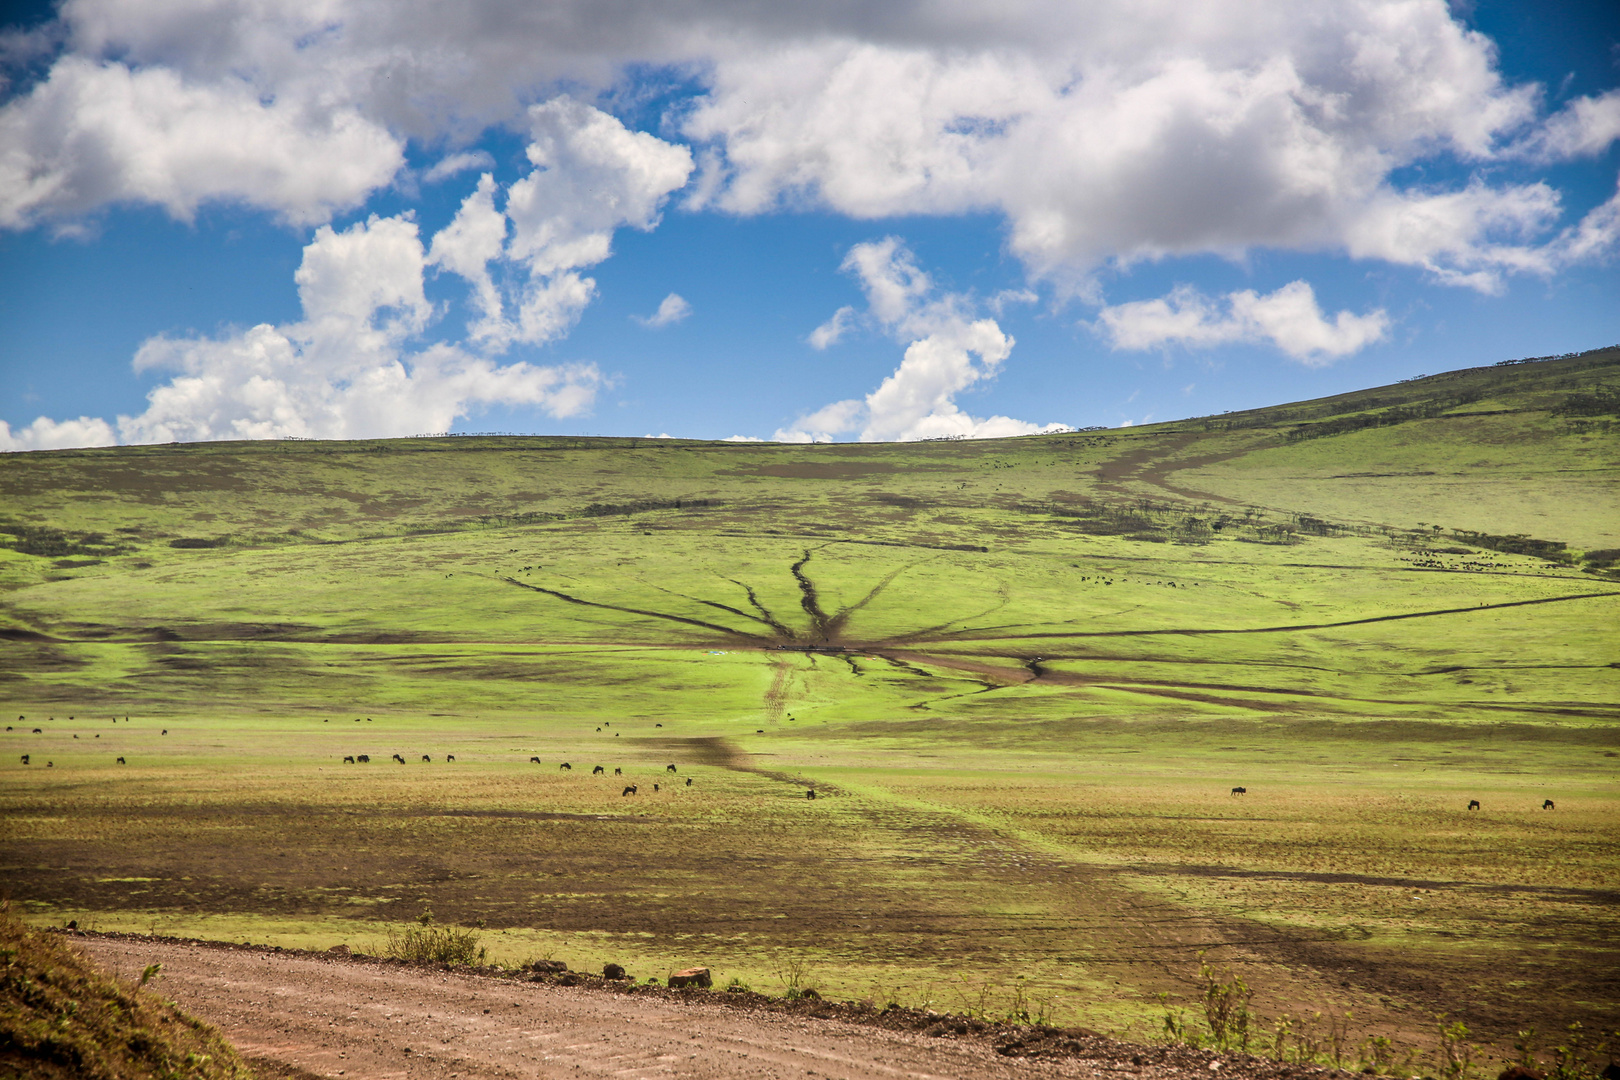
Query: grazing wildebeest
[[426, 758], [50, 764], [598, 729], [535, 760], [565, 765], [810, 794], [1547, 805], [669, 768], [120, 761], [618, 771], [658, 725], [25, 759], [1240, 791], [759, 731], [37, 731], [1473, 804], [348, 759], [165, 731], [364, 759], [449, 757], [688, 781], [399, 759], [598, 771], [631, 790]]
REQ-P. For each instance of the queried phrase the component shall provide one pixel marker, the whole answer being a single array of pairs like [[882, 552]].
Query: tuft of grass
[[62, 1019], [429, 944]]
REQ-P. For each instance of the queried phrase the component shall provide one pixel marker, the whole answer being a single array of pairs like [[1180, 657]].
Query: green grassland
[[1022, 676]]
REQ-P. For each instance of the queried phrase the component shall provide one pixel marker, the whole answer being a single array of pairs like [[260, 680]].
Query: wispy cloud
[[671, 310]]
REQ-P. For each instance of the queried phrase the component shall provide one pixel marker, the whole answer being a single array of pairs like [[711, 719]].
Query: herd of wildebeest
[[631, 789]]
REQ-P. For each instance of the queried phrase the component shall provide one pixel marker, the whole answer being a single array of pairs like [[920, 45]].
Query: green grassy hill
[[1023, 667]]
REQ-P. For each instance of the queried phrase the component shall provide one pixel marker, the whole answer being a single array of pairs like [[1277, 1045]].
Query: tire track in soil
[[776, 696]]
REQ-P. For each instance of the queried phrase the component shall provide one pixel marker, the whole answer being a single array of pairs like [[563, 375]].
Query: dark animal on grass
[[364, 759], [37, 731], [810, 794], [598, 771], [1473, 804], [25, 759], [348, 760], [165, 731], [565, 765], [534, 761], [669, 768], [631, 790], [655, 787], [1240, 791], [449, 757], [426, 758], [1547, 805], [50, 764], [399, 759], [120, 761], [688, 781], [618, 771]]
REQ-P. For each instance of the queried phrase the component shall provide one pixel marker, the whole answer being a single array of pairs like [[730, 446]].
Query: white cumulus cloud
[[949, 351], [1289, 318], [592, 176], [47, 434], [346, 370], [95, 133]]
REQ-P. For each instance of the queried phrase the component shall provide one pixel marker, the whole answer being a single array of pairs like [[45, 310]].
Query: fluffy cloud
[[345, 370], [47, 434], [671, 310], [95, 133], [1129, 135], [1105, 132], [354, 366], [1289, 318], [592, 175], [949, 351]]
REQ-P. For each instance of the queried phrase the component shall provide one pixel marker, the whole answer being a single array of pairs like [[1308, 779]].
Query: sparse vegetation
[[426, 943]]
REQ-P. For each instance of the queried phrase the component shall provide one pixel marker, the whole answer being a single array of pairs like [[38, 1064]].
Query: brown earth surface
[[300, 1015]]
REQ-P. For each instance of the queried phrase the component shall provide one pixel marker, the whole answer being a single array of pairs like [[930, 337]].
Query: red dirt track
[[302, 1015]]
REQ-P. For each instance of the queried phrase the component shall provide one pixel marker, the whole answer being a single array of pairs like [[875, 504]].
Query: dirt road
[[361, 1020]]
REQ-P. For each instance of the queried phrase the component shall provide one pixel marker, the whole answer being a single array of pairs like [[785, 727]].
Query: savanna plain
[[1095, 722]]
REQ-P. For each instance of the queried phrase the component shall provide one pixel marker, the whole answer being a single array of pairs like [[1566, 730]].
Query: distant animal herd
[[599, 770]]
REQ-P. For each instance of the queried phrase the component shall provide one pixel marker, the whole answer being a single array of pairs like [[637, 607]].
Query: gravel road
[[338, 1017]]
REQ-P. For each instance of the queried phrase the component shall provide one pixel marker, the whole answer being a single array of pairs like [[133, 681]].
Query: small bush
[[429, 944]]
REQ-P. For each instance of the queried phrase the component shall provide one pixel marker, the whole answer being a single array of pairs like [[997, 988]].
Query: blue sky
[[712, 219]]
